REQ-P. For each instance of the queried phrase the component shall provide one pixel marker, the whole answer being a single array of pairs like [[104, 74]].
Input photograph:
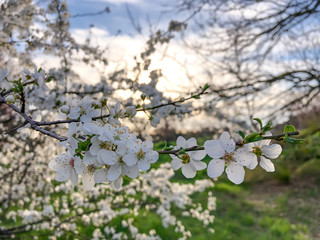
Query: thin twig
[[197, 148]]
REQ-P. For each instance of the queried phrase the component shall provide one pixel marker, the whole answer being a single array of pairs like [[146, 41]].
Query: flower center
[[105, 145], [185, 158], [117, 137], [72, 162], [91, 168], [257, 151], [227, 157], [140, 154]]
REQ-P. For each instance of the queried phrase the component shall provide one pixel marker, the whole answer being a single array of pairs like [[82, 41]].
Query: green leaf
[[20, 86], [253, 137], [266, 128], [241, 134], [84, 146], [259, 121], [289, 128], [288, 139], [205, 87]]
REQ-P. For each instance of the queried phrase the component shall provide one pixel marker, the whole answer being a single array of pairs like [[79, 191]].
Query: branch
[[33, 123], [197, 148]]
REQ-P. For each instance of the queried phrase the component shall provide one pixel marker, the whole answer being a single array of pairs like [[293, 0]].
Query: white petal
[[152, 156], [227, 143], [266, 164], [131, 171], [78, 165], [147, 145], [273, 151], [214, 149], [235, 173], [188, 171], [191, 142], [88, 181], [62, 177], [215, 168], [100, 175], [130, 159], [176, 163], [109, 157], [198, 165], [265, 142], [143, 165], [88, 158], [181, 142], [253, 163], [73, 177], [116, 184], [244, 158], [114, 172], [197, 155]]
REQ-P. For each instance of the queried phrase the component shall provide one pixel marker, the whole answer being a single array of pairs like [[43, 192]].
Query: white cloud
[[117, 2]]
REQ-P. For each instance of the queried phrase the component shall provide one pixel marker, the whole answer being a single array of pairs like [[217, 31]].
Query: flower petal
[[143, 165], [253, 164], [215, 168], [244, 158], [266, 164], [181, 142], [152, 156], [226, 142], [116, 184], [114, 172], [235, 173], [214, 149], [188, 170], [198, 165], [109, 157], [88, 158], [273, 151], [73, 177], [88, 180], [131, 171], [191, 142], [147, 145], [176, 163], [197, 155], [130, 159], [100, 175]]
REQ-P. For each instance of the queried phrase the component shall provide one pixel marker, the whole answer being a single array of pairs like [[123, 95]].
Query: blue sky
[[118, 18]]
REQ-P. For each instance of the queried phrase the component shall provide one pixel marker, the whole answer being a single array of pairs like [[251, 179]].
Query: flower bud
[[9, 99], [64, 109], [131, 111], [154, 121]]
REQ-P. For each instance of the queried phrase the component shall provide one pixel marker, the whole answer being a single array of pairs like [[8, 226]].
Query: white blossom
[[189, 162], [264, 151], [223, 153]]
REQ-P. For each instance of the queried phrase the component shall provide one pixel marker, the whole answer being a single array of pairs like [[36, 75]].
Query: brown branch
[[197, 148]]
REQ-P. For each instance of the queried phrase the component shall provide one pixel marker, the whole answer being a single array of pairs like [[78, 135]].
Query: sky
[[115, 30], [129, 42], [142, 11]]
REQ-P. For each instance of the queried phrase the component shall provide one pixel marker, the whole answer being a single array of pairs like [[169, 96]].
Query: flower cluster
[[225, 156], [101, 151]]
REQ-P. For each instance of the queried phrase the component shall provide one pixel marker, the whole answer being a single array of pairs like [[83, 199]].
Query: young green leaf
[[241, 134], [259, 121], [266, 128], [289, 128], [253, 137]]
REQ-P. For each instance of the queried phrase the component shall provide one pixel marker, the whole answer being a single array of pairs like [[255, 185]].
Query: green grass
[[268, 206]]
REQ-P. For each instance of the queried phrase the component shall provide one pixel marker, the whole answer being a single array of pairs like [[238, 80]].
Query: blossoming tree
[[69, 158]]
